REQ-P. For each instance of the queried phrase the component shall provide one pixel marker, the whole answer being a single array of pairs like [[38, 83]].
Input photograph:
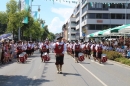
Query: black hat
[[59, 37]]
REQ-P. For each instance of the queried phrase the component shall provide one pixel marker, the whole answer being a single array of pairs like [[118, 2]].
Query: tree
[[15, 17]]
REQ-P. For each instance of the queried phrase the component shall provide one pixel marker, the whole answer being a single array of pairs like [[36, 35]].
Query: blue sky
[[55, 14]]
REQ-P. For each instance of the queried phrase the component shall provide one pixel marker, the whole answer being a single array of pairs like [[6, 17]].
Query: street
[[87, 73]]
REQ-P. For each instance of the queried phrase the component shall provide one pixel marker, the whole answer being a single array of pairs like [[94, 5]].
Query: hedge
[[113, 55]]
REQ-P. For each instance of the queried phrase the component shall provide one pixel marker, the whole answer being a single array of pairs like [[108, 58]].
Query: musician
[[19, 49], [60, 49], [43, 48], [77, 49], [99, 51], [93, 48]]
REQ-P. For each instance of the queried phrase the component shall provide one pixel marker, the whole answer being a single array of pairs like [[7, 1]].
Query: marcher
[[60, 49], [77, 50]]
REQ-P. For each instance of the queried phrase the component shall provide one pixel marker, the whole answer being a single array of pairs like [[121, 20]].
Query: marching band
[[59, 47]]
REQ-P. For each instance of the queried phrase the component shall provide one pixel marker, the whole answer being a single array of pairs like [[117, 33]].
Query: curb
[[119, 63]]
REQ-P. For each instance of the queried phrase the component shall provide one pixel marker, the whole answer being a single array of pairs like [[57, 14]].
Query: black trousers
[[59, 60]]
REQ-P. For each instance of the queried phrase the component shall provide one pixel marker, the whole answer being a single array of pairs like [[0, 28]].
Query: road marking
[[93, 75], [97, 63]]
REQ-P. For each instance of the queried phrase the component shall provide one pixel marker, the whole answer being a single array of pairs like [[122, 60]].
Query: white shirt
[[92, 46]]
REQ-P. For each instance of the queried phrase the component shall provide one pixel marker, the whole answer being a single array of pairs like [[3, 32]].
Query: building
[[95, 15], [65, 32]]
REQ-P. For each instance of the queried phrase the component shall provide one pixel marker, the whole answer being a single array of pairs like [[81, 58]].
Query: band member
[[88, 50], [94, 50], [32, 48], [60, 49], [72, 44], [84, 48], [99, 52], [77, 49], [47, 43], [43, 48], [19, 49], [28, 51]]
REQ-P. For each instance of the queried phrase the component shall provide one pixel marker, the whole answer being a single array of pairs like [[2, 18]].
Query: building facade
[[96, 15], [71, 27]]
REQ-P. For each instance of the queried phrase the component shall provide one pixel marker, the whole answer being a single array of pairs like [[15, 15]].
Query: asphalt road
[[87, 73]]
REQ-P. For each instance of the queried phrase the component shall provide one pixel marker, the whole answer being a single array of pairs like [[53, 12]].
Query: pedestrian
[[60, 49]]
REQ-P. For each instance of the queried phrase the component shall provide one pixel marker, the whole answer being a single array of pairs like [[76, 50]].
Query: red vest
[[44, 48], [85, 47], [99, 49], [94, 47], [77, 47], [59, 48], [19, 49], [88, 47]]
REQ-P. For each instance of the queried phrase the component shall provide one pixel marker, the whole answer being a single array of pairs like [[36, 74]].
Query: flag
[[53, 1], [25, 6]]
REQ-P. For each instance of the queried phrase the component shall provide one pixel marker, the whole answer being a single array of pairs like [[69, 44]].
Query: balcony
[[73, 25], [77, 19], [73, 31], [73, 37], [77, 27], [73, 19]]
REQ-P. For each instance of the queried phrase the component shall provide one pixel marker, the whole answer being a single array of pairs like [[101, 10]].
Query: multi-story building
[[65, 32], [71, 29], [95, 15]]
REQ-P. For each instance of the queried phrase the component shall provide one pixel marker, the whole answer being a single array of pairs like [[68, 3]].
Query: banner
[[25, 6], [34, 15]]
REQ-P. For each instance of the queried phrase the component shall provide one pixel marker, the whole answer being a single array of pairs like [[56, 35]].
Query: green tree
[[15, 17]]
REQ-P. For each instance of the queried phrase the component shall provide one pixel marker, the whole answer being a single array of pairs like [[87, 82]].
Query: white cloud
[[56, 25], [63, 12]]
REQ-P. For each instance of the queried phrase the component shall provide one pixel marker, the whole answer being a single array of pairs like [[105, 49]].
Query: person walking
[[60, 49]]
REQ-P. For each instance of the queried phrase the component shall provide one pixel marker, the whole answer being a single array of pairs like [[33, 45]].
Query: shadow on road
[[20, 81], [84, 63], [107, 64], [64, 74], [6, 64]]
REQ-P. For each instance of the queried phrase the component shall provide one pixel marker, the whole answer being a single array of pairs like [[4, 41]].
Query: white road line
[[93, 75], [97, 63]]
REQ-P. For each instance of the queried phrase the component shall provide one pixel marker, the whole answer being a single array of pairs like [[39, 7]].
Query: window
[[123, 16], [119, 5], [118, 16], [105, 6], [128, 16], [113, 16], [112, 5], [104, 27], [91, 15], [91, 27], [98, 27], [98, 16], [105, 16]]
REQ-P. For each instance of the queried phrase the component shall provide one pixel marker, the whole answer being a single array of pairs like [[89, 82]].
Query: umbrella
[[116, 29]]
